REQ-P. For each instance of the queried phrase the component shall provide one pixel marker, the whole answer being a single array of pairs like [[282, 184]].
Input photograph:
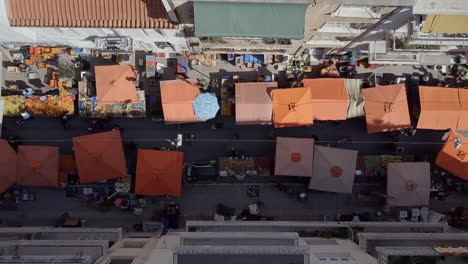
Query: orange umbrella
[[177, 101], [115, 84], [463, 121], [100, 156], [329, 98], [38, 165], [159, 172], [453, 157], [8, 163], [292, 107], [294, 156], [386, 108], [440, 108]]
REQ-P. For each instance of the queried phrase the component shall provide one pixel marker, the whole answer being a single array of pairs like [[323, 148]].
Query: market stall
[[329, 98], [177, 98], [443, 108], [334, 169], [355, 98], [243, 166], [227, 95], [294, 156], [206, 106], [292, 107], [253, 102], [116, 94], [38, 166], [386, 108], [453, 157], [8, 168], [100, 156], [408, 183], [39, 103], [159, 172]]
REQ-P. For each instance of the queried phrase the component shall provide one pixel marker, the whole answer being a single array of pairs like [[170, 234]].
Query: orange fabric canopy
[[114, 84], [159, 172], [8, 161], [386, 108], [329, 98], [452, 159], [100, 156], [38, 165], [463, 121], [177, 101], [253, 102], [440, 108], [292, 107], [294, 156]]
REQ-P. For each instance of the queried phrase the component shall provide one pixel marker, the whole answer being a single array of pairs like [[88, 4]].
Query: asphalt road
[[198, 201]]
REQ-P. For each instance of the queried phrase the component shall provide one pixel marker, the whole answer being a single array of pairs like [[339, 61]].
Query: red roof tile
[[88, 13]]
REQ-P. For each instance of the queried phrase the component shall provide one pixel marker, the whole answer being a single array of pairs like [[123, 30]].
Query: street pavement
[[199, 201]]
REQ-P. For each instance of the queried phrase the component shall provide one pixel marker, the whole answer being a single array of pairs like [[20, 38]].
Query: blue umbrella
[[206, 106]]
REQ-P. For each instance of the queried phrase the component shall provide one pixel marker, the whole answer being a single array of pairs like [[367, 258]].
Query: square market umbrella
[[159, 172], [8, 166], [253, 102], [386, 108], [453, 157], [440, 108], [177, 98], [292, 107], [38, 165], [329, 98], [100, 156], [115, 84], [294, 156], [408, 183], [334, 169]]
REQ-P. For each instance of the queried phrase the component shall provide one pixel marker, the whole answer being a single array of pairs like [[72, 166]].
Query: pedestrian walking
[[64, 121]]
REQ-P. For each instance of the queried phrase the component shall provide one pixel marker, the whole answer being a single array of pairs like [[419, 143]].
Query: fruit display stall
[[89, 107], [39, 104]]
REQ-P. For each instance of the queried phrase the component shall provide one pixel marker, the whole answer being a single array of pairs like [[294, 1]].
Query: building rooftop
[[88, 14]]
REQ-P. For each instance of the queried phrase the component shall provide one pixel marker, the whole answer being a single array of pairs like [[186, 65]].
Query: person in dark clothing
[[64, 121]]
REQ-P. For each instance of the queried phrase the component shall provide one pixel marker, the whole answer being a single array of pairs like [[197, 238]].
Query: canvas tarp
[[253, 102], [38, 166], [463, 120], [386, 108], [177, 101], [329, 98], [453, 159], [408, 183], [114, 84], [292, 107], [249, 20], [355, 98], [445, 24], [8, 166], [294, 156], [159, 172], [334, 169], [440, 108], [100, 156]]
